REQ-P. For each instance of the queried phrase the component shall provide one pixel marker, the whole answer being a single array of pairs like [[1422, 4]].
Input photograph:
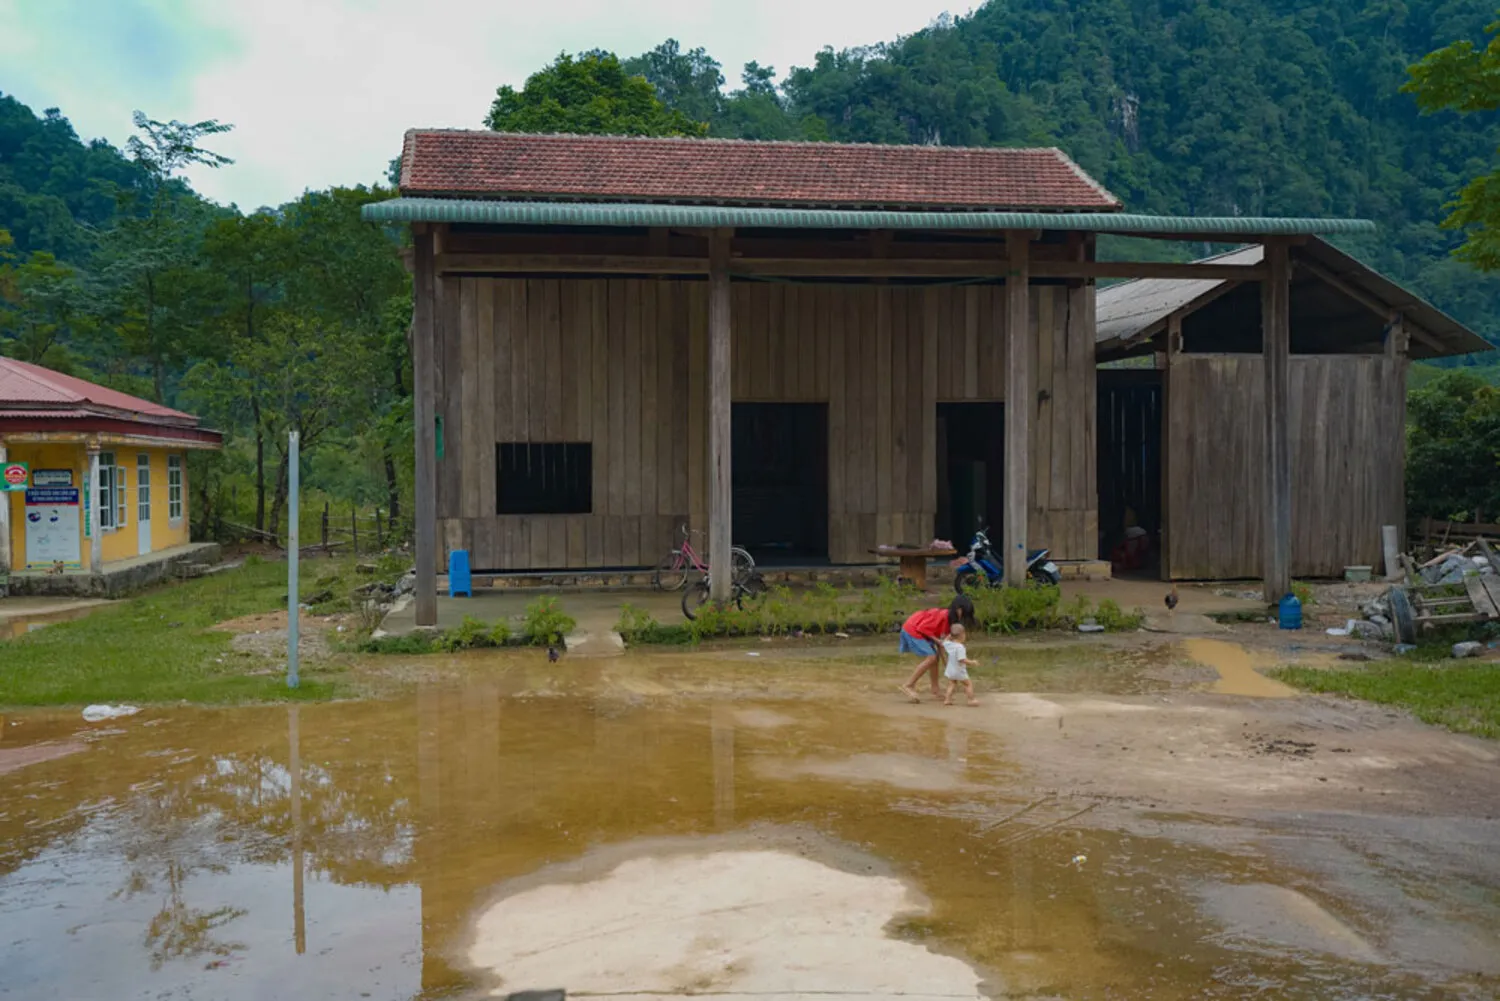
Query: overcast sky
[[320, 91]]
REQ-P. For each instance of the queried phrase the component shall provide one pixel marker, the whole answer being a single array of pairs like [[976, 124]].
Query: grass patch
[[159, 648], [1460, 696]]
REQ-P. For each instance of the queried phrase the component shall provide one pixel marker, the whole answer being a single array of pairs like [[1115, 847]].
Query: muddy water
[[1237, 669], [503, 834]]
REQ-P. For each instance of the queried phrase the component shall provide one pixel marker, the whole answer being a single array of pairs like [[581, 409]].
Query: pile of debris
[[1452, 565], [380, 595], [1460, 584]]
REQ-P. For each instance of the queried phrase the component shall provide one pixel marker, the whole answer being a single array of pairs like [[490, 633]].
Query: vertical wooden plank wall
[[622, 363], [1347, 479]]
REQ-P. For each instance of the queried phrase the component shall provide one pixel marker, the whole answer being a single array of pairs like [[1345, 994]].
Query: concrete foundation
[[119, 578]]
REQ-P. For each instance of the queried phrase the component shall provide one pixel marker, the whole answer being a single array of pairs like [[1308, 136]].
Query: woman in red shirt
[[923, 634]]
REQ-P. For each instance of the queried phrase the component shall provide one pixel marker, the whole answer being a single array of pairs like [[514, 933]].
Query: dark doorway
[[779, 473], [1129, 457], [971, 470]]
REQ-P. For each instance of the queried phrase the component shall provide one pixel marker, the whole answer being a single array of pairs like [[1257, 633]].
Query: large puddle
[[471, 840]]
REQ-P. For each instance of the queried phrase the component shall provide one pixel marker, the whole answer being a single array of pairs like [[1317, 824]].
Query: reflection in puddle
[[16, 626], [164, 860], [1236, 667]]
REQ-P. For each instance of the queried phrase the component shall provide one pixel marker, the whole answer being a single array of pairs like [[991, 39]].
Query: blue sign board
[[52, 495]]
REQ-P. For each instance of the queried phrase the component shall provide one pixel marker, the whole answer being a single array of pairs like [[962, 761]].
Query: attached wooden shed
[[1181, 447], [810, 347]]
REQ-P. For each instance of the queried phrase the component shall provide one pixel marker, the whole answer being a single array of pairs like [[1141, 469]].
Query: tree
[[587, 95], [1462, 78], [687, 81], [1453, 448]]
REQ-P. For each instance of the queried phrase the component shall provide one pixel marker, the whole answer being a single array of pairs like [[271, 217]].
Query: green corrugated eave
[[541, 213]]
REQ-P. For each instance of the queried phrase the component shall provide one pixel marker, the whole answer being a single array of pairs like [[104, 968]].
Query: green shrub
[[883, 606], [471, 634], [416, 643], [1303, 592], [1011, 609], [1116, 620], [637, 626], [545, 623]]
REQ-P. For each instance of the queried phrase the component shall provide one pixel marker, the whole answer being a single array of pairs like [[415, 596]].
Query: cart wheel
[[1402, 615]]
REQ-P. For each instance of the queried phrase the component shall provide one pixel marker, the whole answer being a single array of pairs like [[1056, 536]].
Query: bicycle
[[672, 572], [751, 585]]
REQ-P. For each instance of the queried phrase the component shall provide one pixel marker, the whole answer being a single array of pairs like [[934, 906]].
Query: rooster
[[1171, 599], [552, 654]]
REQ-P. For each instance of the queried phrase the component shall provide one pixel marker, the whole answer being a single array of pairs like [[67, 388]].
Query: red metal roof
[[23, 384], [726, 171], [33, 398]]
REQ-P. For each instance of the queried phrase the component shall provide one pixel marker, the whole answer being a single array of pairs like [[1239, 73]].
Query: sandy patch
[[901, 771], [733, 923], [12, 758]]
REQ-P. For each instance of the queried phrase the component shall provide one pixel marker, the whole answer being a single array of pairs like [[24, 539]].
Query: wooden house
[[811, 348], [1180, 445]]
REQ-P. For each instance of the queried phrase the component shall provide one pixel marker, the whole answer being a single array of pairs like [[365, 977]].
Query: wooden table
[[914, 562]]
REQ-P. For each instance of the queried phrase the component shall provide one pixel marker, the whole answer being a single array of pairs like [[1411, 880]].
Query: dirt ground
[[1122, 816]]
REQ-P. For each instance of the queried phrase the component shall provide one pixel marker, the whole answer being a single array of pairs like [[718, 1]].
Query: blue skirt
[[920, 647]]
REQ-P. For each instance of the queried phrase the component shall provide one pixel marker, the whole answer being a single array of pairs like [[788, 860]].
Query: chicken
[[1171, 599], [552, 654]]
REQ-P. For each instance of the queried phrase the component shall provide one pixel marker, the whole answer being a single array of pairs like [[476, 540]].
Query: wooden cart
[[1419, 605]]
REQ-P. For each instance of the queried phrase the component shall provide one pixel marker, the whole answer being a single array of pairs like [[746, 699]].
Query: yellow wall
[[120, 543]]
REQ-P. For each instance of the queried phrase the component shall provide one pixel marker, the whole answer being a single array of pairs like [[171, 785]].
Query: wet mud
[[708, 823]]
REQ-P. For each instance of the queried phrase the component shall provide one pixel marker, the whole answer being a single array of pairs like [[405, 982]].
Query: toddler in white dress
[[958, 665]]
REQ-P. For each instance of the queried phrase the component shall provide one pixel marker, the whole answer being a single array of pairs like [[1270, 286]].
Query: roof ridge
[[758, 143]]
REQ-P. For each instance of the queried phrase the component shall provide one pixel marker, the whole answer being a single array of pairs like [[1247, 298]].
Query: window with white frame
[[122, 498], [174, 487], [142, 488], [106, 487]]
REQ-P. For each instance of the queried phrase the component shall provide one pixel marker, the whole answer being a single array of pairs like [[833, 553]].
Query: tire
[[1403, 616], [966, 579], [1050, 577], [696, 597], [671, 573], [741, 563]]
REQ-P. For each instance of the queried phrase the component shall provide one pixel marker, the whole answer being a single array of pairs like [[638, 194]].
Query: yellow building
[[105, 481]]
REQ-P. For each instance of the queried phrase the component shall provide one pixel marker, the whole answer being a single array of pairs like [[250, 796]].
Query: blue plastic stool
[[459, 581]]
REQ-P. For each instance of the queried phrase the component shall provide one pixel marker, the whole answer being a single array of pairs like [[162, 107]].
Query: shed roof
[[745, 172], [32, 393], [1134, 311]]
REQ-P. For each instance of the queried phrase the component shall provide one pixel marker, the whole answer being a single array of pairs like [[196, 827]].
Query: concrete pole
[[293, 555], [1018, 404], [4, 522], [96, 529]]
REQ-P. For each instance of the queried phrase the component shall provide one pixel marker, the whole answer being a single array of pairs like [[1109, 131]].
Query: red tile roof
[[738, 172], [31, 393]]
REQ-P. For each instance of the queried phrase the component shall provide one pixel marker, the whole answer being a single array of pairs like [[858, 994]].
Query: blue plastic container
[[1289, 612], [460, 581]]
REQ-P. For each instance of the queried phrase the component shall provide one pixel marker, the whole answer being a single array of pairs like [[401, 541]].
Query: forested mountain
[[1230, 107], [112, 267]]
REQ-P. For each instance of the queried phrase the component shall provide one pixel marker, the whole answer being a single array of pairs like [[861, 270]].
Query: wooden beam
[[569, 264], [1321, 273], [1276, 346], [720, 495], [1147, 269], [1018, 404], [832, 267], [423, 346]]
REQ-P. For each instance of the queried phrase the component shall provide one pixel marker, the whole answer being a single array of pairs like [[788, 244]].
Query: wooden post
[[379, 533], [96, 536], [423, 345], [1018, 404], [325, 526], [719, 494], [354, 527], [1276, 347]]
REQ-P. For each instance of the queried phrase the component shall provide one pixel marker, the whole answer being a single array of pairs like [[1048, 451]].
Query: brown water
[[408, 848], [1237, 669]]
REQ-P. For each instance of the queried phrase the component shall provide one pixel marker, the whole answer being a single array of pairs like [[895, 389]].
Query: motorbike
[[984, 568]]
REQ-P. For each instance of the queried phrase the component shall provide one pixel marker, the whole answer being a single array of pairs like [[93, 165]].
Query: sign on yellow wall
[[14, 476]]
